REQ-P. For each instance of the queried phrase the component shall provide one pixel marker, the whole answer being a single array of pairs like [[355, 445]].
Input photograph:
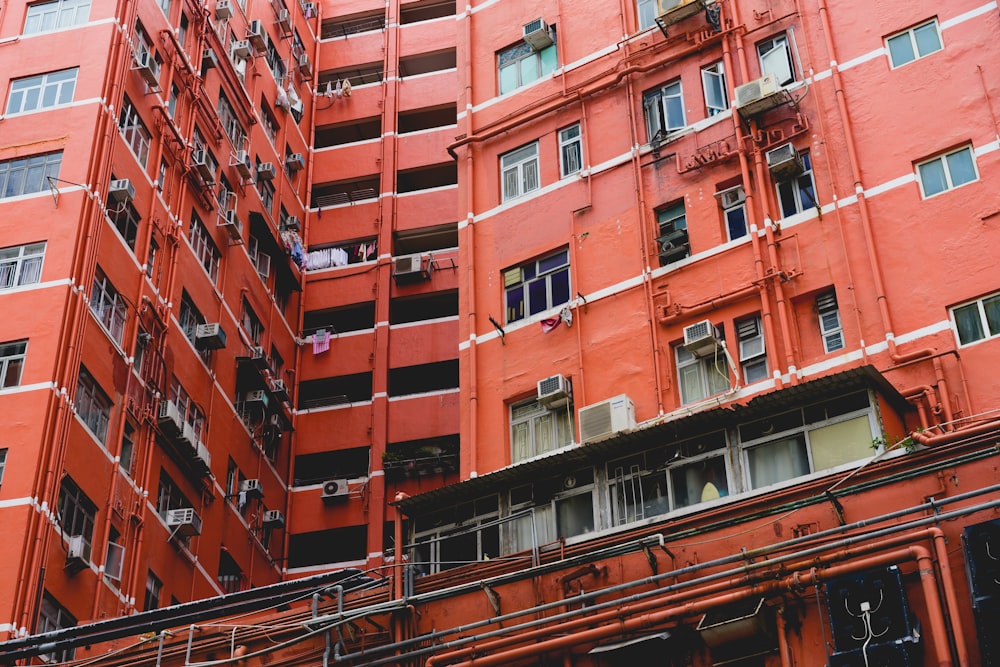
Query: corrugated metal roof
[[674, 429]]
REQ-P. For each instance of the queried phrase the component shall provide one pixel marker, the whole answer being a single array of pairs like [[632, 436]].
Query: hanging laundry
[[550, 323], [339, 88], [345, 89], [321, 341], [566, 315]]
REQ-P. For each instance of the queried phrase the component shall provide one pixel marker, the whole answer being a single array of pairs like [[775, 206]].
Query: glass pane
[[560, 287], [900, 49], [970, 325], [553, 261], [66, 92], [736, 223], [927, 38], [715, 95], [961, 167], [508, 78], [699, 482], [528, 67], [786, 197], [675, 111], [537, 296], [14, 103], [549, 60], [49, 96], [834, 341], [530, 175], [841, 443], [932, 177], [543, 434], [718, 376], [776, 62], [777, 461], [575, 515], [515, 303], [992, 308], [31, 99], [690, 382]]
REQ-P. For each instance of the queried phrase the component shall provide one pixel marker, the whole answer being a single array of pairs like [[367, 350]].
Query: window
[[453, 537], [76, 514], [189, 412], [672, 244], [134, 132], [978, 320], [189, 319], [251, 323], [92, 405], [753, 360], [917, 42], [169, 496], [536, 429], [570, 151], [45, 16], [204, 248], [128, 449], [21, 265], [947, 171], [776, 58], [53, 616], [537, 286], [108, 306], [175, 93], [154, 588], [27, 175], [664, 108], [12, 363], [713, 80], [265, 187], [260, 259], [521, 64], [701, 377], [803, 441], [829, 322], [151, 257], [275, 63], [798, 194], [734, 211], [42, 92], [3, 463], [211, 164], [563, 508], [125, 219], [227, 116], [268, 122], [519, 171]]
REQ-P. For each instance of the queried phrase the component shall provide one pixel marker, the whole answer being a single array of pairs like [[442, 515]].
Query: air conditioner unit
[[701, 338], [673, 246], [284, 22], [146, 64], [406, 266], [76, 551], [255, 396], [675, 11], [121, 190], [184, 521], [759, 96], [731, 197], [188, 437], [265, 171], [209, 337], [232, 224], [203, 457], [257, 35], [199, 160], [305, 66], [252, 488], [208, 59], [279, 389], [295, 161], [241, 160], [784, 162], [273, 518], [241, 49], [553, 391], [538, 34], [291, 223], [223, 10], [334, 489], [169, 419], [604, 419]]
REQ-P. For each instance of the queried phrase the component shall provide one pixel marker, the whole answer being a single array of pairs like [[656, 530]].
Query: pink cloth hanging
[[321, 341]]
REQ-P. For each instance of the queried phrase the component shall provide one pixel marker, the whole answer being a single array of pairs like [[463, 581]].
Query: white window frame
[[48, 16], [798, 189], [189, 411], [204, 248], [3, 463], [730, 213], [540, 423], [710, 372], [430, 541], [526, 64], [545, 269], [42, 91], [570, 150], [769, 55], [661, 110], [108, 306], [987, 327], [53, 616], [76, 514], [946, 169], [713, 79], [29, 174], [227, 116], [21, 265], [910, 37], [92, 405], [520, 172], [753, 356], [12, 355], [134, 132], [830, 326]]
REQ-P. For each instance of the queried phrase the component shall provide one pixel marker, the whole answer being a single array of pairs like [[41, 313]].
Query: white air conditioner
[[295, 161], [553, 391], [538, 34], [334, 489], [279, 389], [265, 171], [252, 488], [121, 190], [784, 162], [284, 22], [203, 457], [241, 49], [169, 418], [199, 160], [291, 223], [759, 96], [604, 419], [257, 35], [241, 160], [232, 224], [305, 66], [731, 197], [146, 65], [255, 396], [223, 10], [209, 337], [184, 521], [408, 266], [188, 438], [273, 518], [76, 550], [675, 11], [701, 338]]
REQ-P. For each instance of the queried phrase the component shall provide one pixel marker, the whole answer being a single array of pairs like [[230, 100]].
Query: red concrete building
[[723, 396]]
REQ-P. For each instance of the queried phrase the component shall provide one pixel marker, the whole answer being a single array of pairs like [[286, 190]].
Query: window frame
[[670, 219], [987, 330], [946, 170], [518, 57], [830, 328], [518, 167], [62, 8], [53, 616], [27, 265], [77, 514], [12, 355], [752, 348], [708, 368], [713, 77], [20, 89], [108, 307], [204, 248], [529, 413], [95, 413], [792, 191], [19, 176], [656, 105], [134, 132], [570, 146], [769, 46], [539, 270], [913, 43]]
